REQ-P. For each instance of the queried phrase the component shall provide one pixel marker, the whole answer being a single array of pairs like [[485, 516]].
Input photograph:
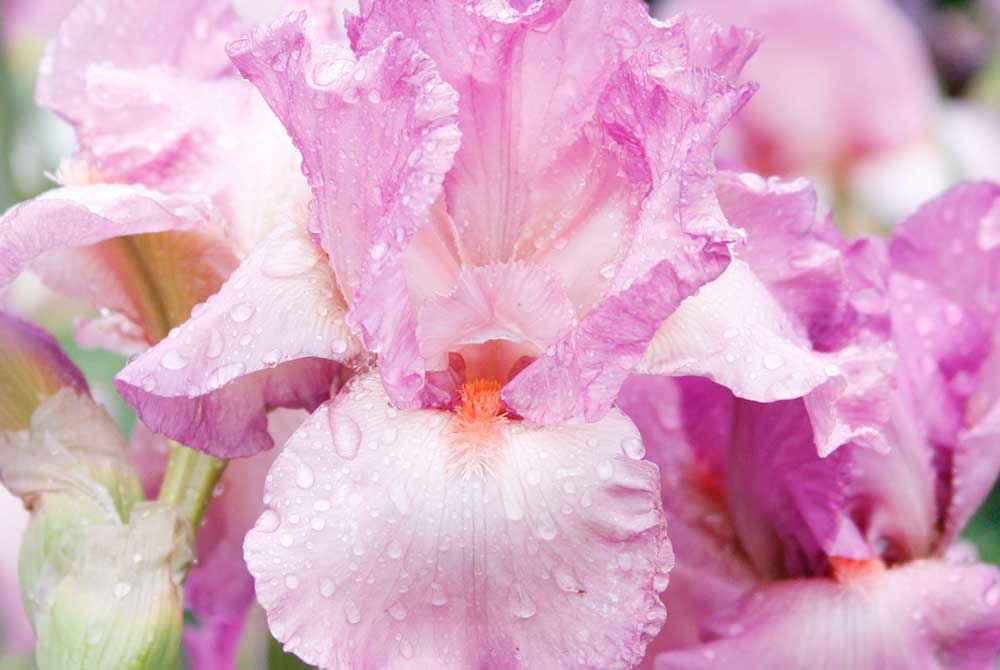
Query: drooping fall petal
[[396, 538]]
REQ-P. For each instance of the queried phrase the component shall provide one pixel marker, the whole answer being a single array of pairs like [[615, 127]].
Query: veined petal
[[84, 215], [386, 119], [269, 338], [395, 539], [735, 332], [669, 119], [932, 615], [684, 424], [32, 368], [525, 95], [515, 302]]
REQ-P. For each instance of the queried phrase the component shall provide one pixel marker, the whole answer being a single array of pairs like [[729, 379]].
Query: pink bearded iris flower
[[852, 560], [501, 222]]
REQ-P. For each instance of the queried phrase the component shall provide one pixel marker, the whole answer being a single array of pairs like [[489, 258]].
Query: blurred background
[[883, 103]]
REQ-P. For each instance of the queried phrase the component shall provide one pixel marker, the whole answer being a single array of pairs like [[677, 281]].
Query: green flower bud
[[110, 596]]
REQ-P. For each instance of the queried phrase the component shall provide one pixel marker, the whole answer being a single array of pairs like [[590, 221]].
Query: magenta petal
[[390, 542], [680, 421], [269, 338], [932, 615], [386, 119]]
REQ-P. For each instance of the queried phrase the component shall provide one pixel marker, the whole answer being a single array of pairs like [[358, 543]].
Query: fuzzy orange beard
[[476, 427]]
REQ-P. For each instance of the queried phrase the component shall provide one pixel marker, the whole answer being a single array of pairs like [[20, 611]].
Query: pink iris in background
[[852, 560], [841, 81], [501, 222]]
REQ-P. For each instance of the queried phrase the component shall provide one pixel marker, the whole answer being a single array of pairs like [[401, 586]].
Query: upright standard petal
[[387, 120], [271, 337], [400, 538], [668, 119]]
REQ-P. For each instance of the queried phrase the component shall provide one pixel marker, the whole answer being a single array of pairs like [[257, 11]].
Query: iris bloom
[[853, 560]]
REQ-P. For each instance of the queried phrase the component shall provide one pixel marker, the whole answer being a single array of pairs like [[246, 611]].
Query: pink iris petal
[[945, 301], [777, 324], [155, 101], [668, 256], [338, 109], [391, 542], [269, 338], [160, 35], [514, 302], [934, 615], [838, 81], [84, 215], [690, 415]]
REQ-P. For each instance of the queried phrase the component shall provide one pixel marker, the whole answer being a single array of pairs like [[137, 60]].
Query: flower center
[[848, 570], [476, 435]]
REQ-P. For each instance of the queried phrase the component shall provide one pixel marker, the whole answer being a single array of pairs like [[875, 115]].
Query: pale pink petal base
[[391, 542], [932, 615]]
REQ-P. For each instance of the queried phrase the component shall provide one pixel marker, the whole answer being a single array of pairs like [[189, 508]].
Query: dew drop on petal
[[346, 436], [326, 587], [351, 612], [173, 360], [521, 604], [268, 521], [241, 312]]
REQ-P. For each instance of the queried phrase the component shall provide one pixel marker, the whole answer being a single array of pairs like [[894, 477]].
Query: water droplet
[[351, 612], [395, 549], [172, 360], [216, 344], [379, 250], [346, 436], [268, 521], [326, 587], [405, 649], [773, 361], [605, 469], [304, 477], [438, 597], [566, 580], [292, 582], [521, 604], [398, 612], [286, 540], [322, 505], [242, 312], [546, 527], [633, 448], [272, 358]]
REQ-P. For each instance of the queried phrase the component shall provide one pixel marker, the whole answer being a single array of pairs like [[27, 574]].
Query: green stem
[[190, 480]]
